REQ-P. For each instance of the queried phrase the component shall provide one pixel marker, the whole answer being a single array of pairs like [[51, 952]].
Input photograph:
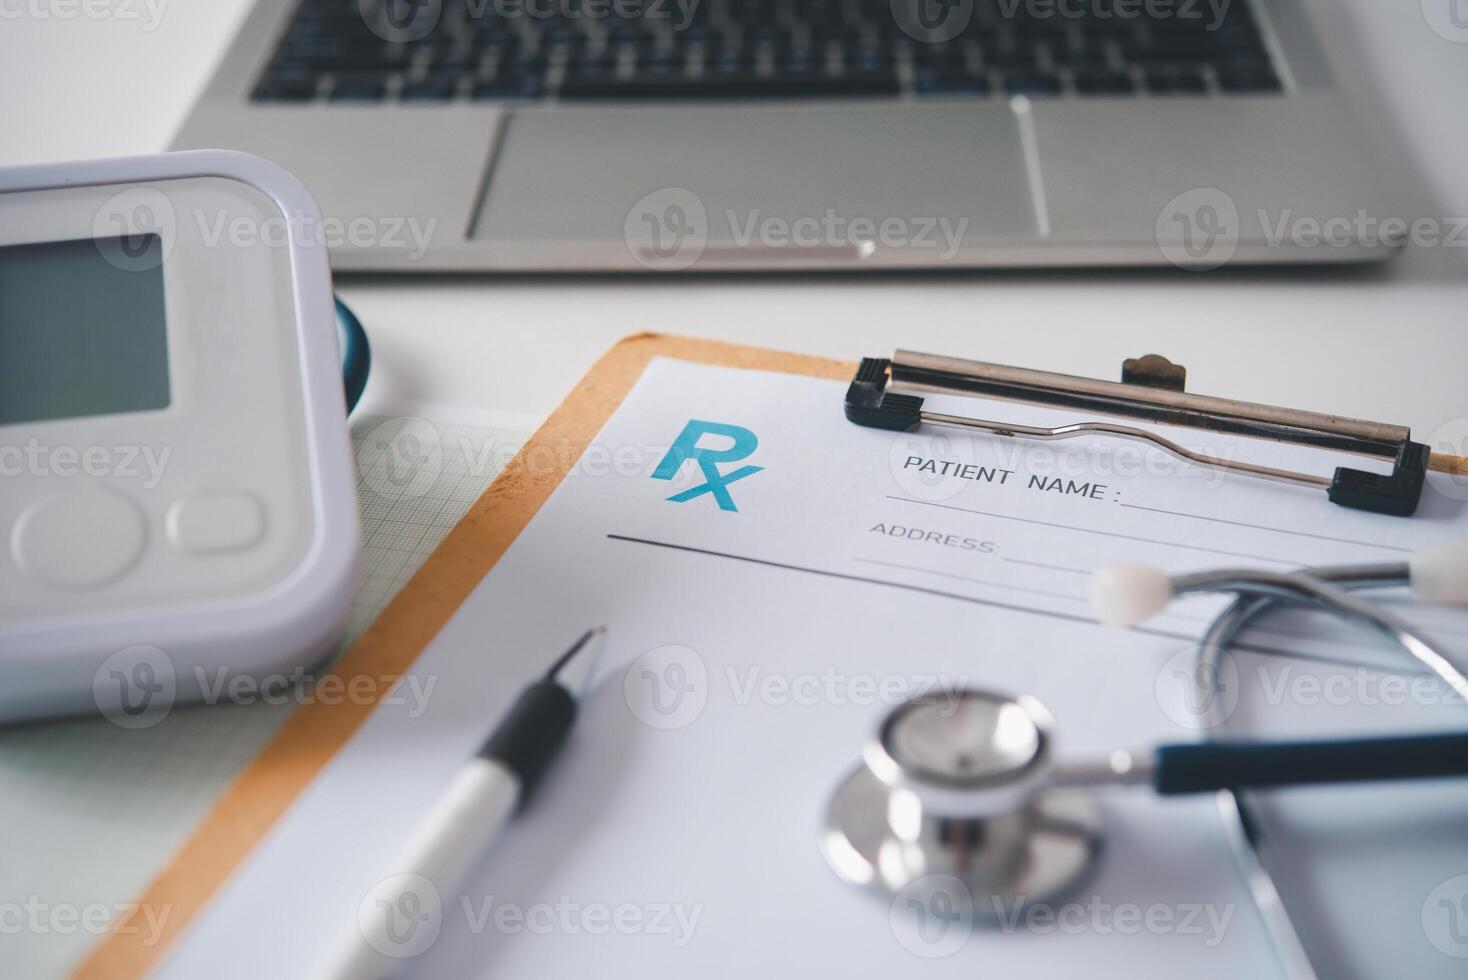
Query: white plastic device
[[177, 503]]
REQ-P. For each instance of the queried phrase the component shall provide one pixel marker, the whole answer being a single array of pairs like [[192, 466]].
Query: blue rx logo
[[708, 460]]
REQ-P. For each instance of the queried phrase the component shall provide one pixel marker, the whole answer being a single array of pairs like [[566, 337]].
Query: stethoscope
[[965, 787]]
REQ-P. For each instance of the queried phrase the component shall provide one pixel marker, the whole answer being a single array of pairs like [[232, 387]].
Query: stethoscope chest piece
[[959, 787]]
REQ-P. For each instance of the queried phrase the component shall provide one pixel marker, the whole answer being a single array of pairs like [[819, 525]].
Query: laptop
[[714, 135]]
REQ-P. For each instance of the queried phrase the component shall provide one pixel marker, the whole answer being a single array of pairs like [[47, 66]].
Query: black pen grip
[[532, 733]]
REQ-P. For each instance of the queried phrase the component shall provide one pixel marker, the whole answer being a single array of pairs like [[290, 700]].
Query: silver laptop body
[[437, 138]]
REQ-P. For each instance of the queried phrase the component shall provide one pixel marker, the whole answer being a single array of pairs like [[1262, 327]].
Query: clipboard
[[249, 807], [247, 810]]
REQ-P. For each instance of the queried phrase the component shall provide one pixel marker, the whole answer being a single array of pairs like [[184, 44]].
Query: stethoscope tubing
[[1325, 588], [1209, 766], [1241, 825]]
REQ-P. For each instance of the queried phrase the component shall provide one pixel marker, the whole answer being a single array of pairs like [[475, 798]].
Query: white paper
[[750, 654]]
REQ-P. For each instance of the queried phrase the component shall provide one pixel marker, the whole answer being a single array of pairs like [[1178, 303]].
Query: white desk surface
[[1384, 343]]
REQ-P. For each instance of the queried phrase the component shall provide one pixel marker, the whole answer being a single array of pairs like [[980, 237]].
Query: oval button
[[78, 540], [215, 523]]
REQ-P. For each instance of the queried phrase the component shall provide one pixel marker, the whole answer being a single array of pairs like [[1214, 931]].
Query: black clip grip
[[868, 403], [1396, 493]]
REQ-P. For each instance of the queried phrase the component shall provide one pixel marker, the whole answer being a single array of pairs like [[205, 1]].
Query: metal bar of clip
[[1152, 389]]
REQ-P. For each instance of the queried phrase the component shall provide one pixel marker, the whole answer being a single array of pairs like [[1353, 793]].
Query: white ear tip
[[1440, 572], [1124, 595]]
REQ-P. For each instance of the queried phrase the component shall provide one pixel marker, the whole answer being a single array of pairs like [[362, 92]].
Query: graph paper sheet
[[98, 815], [415, 479]]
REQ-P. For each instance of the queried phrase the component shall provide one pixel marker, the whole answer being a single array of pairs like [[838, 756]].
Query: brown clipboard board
[[247, 809]]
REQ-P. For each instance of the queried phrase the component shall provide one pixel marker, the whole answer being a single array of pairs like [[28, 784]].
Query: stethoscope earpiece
[[1439, 573], [1125, 595], [1128, 594]]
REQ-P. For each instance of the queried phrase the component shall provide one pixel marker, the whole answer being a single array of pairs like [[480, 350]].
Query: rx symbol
[[743, 443], [144, 681]]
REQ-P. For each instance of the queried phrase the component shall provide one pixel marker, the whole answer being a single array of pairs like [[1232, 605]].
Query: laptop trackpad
[[668, 185]]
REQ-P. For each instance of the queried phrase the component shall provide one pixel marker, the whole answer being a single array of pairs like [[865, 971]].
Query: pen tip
[[572, 670]]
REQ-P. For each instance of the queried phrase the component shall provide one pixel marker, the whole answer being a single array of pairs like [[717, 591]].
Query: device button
[[78, 540], [214, 524]]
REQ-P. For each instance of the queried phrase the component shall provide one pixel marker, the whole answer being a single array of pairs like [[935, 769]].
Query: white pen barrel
[[400, 918]]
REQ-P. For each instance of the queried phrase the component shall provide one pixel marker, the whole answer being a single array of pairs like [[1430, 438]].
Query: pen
[[485, 794]]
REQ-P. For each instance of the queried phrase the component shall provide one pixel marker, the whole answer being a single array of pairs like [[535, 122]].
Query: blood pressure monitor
[[176, 488]]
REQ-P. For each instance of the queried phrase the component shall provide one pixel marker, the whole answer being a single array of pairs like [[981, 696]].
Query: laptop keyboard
[[435, 51]]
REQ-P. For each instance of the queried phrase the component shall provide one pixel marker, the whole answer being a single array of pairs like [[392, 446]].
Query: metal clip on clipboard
[[1152, 389]]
